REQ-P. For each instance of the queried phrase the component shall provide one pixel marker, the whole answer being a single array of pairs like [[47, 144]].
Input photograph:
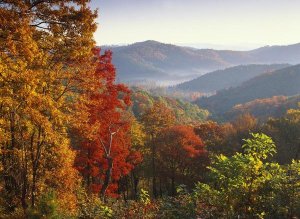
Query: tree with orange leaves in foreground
[[45, 57]]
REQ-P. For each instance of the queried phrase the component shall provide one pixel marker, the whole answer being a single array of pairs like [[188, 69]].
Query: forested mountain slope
[[265, 108], [281, 82], [185, 112], [229, 77]]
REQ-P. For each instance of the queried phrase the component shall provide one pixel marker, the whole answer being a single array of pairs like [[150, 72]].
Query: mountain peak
[[152, 43], [148, 42]]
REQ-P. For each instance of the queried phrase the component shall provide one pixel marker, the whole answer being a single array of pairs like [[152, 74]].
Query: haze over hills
[[167, 63], [156, 61], [283, 82], [229, 77]]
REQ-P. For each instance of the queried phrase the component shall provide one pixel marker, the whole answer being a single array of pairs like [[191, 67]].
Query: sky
[[235, 24]]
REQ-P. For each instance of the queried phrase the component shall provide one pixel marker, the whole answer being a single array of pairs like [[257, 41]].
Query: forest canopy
[[75, 143]]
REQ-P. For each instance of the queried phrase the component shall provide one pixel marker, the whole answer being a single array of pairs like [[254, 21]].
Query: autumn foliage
[[42, 76], [72, 144], [104, 155], [180, 156]]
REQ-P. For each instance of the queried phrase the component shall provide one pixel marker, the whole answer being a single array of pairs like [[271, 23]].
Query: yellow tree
[[45, 56], [138, 140], [155, 119]]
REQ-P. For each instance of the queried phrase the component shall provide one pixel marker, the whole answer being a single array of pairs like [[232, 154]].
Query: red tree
[[105, 156], [181, 155]]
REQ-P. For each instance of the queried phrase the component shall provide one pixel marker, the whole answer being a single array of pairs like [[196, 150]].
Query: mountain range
[[285, 82], [159, 62]]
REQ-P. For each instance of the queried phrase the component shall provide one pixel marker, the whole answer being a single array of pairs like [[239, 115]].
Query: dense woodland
[[76, 144]]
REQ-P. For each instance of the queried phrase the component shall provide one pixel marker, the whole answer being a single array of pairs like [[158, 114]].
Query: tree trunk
[[154, 171], [33, 188], [160, 187], [24, 189], [173, 185], [35, 163], [107, 177], [135, 181], [88, 181]]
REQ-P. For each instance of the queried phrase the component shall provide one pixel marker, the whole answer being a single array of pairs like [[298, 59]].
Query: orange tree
[[45, 55], [180, 156]]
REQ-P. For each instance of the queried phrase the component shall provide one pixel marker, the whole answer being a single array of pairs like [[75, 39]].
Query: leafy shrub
[[91, 207], [47, 207]]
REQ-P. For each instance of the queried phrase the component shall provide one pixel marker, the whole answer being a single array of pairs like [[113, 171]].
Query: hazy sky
[[244, 23]]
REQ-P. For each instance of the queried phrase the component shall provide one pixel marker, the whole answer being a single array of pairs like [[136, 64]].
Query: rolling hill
[[229, 77], [263, 109], [283, 82], [151, 60], [185, 112]]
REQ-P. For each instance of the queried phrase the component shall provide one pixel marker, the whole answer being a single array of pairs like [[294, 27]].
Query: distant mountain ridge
[[283, 82], [229, 77], [152, 60]]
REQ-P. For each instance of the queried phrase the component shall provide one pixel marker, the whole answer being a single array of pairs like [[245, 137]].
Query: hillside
[[151, 60], [229, 77], [283, 82], [185, 112], [263, 109]]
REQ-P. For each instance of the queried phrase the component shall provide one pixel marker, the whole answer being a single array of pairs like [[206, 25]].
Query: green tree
[[285, 132], [246, 185]]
